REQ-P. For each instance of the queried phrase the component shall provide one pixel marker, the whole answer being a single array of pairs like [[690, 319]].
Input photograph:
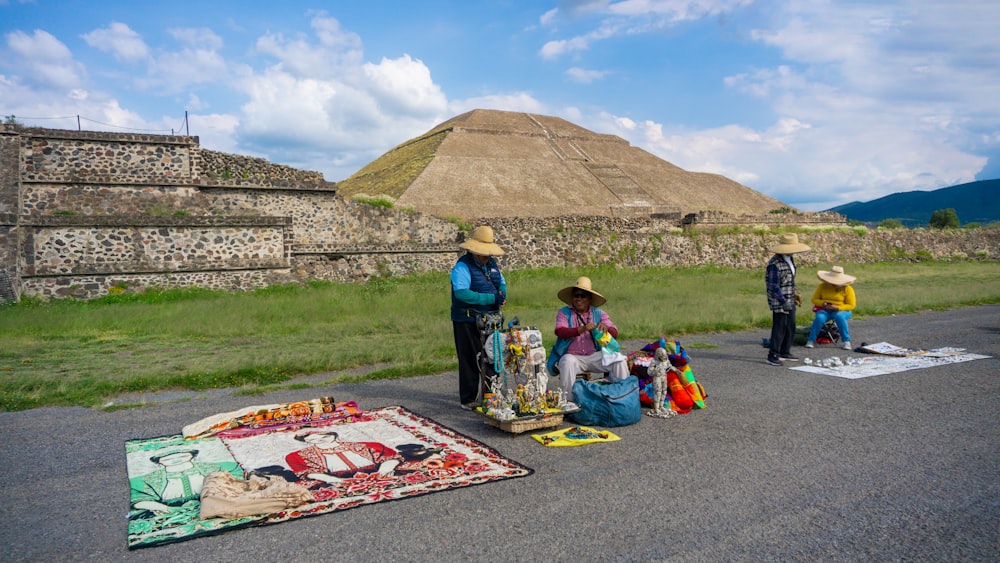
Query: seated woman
[[575, 327], [833, 299]]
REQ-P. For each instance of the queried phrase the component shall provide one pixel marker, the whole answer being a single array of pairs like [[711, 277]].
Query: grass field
[[84, 353]]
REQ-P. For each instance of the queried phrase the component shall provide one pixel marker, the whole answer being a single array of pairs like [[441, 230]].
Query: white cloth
[[571, 365]]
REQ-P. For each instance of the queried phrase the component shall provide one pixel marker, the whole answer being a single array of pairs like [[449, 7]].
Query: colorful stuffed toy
[[684, 392]]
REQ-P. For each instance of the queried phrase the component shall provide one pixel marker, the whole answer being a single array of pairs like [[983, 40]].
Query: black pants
[[782, 334], [468, 346]]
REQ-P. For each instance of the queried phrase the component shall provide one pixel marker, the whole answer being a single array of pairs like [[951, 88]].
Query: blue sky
[[815, 103]]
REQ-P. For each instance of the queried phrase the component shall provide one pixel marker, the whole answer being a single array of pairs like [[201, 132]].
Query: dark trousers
[[782, 334], [468, 346]]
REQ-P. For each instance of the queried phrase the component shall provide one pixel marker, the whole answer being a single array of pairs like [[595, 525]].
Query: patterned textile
[[889, 359], [223, 495], [372, 456], [575, 436], [684, 393], [298, 414]]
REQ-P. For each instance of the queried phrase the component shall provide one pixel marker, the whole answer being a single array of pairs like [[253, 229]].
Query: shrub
[[890, 224], [944, 219], [380, 200]]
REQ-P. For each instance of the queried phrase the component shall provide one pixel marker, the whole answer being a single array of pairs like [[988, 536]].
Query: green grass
[[83, 353]]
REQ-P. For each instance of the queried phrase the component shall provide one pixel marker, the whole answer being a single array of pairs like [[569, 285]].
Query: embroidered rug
[[890, 360], [373, 456]]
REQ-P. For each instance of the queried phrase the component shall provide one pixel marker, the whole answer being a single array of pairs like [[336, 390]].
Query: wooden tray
[[528, 423], [518, 425]]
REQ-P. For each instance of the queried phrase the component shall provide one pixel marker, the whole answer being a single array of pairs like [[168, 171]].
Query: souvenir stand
[[515, 397]]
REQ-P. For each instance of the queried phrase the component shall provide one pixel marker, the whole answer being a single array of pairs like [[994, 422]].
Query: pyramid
[[489, 163]]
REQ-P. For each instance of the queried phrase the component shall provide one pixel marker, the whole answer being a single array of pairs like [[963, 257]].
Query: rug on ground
[[299, 466], [888, 358]]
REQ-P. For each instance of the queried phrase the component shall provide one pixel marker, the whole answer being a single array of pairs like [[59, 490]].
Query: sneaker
[[847, 345], [469, 406], [810, 344], [790, 357], [775, 361]]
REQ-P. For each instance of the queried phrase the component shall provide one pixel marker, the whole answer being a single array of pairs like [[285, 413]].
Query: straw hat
[[480, 242], [789, 244], [836, 276], [582, 282]]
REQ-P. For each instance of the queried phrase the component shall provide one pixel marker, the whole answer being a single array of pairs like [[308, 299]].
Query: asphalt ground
[[783, 465]]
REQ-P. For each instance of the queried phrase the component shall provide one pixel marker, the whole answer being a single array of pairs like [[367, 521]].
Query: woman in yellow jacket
[[833, 299]]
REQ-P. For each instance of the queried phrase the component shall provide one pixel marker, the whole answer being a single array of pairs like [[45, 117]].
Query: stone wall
[[10, 273], [225, 169], [721, 219], [95, 157], [78, 217], [74, 256], [83, 214], [590, 242]]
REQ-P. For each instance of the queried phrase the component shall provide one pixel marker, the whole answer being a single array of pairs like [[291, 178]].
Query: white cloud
[[197, 61], [44, 60], [675, 10], [807, 166], [554, 49], [336, 52], [320, 99], [119, 40], [197, 37], [585, 76], [215, 131], [515, 101], [174, 71], [870, 99], [548, 16], [627, 17], [404, 85]]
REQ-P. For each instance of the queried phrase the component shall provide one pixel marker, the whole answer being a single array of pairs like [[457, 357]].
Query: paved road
[[782, 465]]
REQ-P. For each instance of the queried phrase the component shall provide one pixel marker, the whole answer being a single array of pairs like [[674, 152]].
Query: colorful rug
[[889, 359], [372, 456]]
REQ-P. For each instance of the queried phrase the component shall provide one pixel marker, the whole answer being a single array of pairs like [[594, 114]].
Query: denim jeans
[[839, 317]]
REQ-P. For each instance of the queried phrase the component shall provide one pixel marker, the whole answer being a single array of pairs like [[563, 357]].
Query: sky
[[815, 103]]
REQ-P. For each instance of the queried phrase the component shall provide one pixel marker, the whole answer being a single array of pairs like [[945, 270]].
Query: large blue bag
[[607, 405]]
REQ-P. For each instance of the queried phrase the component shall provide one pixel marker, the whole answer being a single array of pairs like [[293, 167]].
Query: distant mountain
[[975, 202]]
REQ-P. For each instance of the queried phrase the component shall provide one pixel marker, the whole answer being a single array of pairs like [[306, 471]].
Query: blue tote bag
[[607, 405]]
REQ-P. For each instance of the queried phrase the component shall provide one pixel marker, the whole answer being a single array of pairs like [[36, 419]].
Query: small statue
[[658, 369], [541, 379]]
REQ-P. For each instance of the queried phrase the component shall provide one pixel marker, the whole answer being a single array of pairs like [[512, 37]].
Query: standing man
[[781, 294], [477, 287]]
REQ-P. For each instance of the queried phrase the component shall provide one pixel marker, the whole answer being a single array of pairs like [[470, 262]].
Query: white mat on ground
[[883, 364]]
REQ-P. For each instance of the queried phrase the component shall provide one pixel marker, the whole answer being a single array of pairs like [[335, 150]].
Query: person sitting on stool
[[575, 326], [833, 299]]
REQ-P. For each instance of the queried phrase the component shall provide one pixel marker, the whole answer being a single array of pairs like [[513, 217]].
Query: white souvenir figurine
[[541, 379], [658, 369]]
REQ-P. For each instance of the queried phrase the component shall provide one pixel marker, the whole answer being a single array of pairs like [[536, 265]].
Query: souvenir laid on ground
[[575, 436], [300, 413], [886, 349], [868, 366], [658, 372], [246, 476], [684, 393], [518, 398]]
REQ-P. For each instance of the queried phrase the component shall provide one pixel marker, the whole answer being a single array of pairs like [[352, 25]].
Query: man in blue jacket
[[477, 287]]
